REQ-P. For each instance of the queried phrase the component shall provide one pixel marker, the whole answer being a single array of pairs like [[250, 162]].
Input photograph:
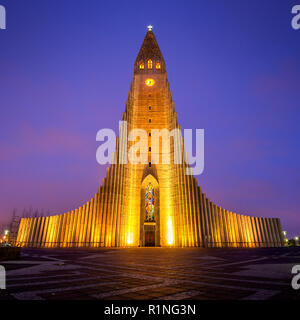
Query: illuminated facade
[[149, 204]]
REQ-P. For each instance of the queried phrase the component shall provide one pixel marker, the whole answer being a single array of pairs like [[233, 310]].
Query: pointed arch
[[150, 212]]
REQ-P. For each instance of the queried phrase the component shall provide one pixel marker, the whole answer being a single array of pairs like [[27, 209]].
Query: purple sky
[[233, 66]]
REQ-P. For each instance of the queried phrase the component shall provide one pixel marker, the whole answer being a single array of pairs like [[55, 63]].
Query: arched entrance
[[149, 217]]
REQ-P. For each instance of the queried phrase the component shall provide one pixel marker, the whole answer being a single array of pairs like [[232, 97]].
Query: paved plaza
[[152, 273]]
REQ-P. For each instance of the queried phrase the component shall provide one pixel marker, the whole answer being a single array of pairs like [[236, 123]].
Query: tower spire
[[150, 49]]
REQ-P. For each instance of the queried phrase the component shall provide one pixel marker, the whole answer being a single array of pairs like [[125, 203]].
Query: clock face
[[149, 82]]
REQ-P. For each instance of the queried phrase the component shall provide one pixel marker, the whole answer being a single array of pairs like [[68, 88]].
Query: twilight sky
[[234, 70]]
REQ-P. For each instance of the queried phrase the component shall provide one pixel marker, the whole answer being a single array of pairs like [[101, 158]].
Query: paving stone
[[159, 273]]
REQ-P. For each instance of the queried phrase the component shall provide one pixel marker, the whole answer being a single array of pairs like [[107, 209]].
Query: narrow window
[[150, 149], [149, 64], [149, 202], [149, 107], [149, 120], [142, 65], [149, 164], [149, 134], [157, 65]]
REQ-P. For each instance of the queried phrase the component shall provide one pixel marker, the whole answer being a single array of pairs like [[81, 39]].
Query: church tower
[[146, 200], [153, 186]]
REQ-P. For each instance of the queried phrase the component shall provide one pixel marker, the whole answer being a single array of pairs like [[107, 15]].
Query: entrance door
[[150, 239]]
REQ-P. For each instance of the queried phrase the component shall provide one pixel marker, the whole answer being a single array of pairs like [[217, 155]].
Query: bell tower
[[150, 106]]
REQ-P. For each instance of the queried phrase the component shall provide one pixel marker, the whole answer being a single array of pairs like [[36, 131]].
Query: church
[[149, 204]]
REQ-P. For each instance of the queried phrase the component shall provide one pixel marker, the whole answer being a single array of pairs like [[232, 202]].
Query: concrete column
[[31, 230], [237, 233], [37, 233], [267, 221], [23, 239], [272, 232], [232, 230], [239, 230], [195, 213], [89, 223], [58, 229], [81, 223], [228, 229], [212, 223], [43, 229], [248, 230], [245, 229], [243, 232], [54, 236], [66, 227], [117, 210], [20, 231], [33, 233], [225, 224], [98, 219], [101, 218], [251, 232], [44, 235], [77, 227], [186, 211], [221, 226], [85, 223], [74, 222], [218, 234], [110, 208], [232, 227], [265, 232], [203, 219], [63, 230], [208, 225], [111, 205], [262, 232], [50, 231], [278, 239], [252, 221], [258, 235], [70, 233], [279, 228], [104, 226], [198, 214], [93, 223]]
